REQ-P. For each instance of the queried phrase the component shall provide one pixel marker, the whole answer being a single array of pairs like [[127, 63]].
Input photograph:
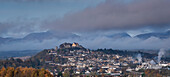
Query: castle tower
[[74, 45], [56, 48]]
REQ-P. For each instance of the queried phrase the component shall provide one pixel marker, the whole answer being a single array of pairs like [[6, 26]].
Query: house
[[87, 72]]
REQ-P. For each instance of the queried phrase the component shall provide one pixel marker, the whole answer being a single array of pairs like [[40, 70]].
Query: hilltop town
[[72, 59], [86, 62]]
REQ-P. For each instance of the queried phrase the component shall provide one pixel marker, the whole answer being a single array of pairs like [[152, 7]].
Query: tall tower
[[74, 45], [56, 48]]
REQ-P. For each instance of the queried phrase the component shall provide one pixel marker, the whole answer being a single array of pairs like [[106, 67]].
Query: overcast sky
[[87, 18], [21, 17]]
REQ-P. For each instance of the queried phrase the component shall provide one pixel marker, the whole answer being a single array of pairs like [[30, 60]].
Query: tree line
[[24, 72]]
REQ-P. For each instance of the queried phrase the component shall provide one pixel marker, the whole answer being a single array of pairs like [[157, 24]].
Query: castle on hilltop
[[70, 45]]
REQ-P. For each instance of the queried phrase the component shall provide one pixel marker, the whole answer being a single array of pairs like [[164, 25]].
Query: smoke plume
[[160, 54], [139, 58]]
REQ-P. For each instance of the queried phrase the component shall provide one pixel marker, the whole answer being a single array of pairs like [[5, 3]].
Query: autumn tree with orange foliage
[[152, 73], [24, 72]]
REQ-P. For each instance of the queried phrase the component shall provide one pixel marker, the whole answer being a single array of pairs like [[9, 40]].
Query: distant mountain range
[[119, 35], [51, 35], [163, 35], [39, 37], [4, 40]]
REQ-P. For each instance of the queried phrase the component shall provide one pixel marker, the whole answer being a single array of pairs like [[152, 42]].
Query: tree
[[19, 60], [60, 74], [17, 72], [34, 73], [66, 73], [10, 72], [42, 73], [2, 72], [24, 72]]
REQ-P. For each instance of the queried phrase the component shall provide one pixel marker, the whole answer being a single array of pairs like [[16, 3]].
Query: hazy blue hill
[[48, 35], [4, 40], [119, 35], [41, 56], [57, 35], [7, 54], [163, 35], [40, 36]]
